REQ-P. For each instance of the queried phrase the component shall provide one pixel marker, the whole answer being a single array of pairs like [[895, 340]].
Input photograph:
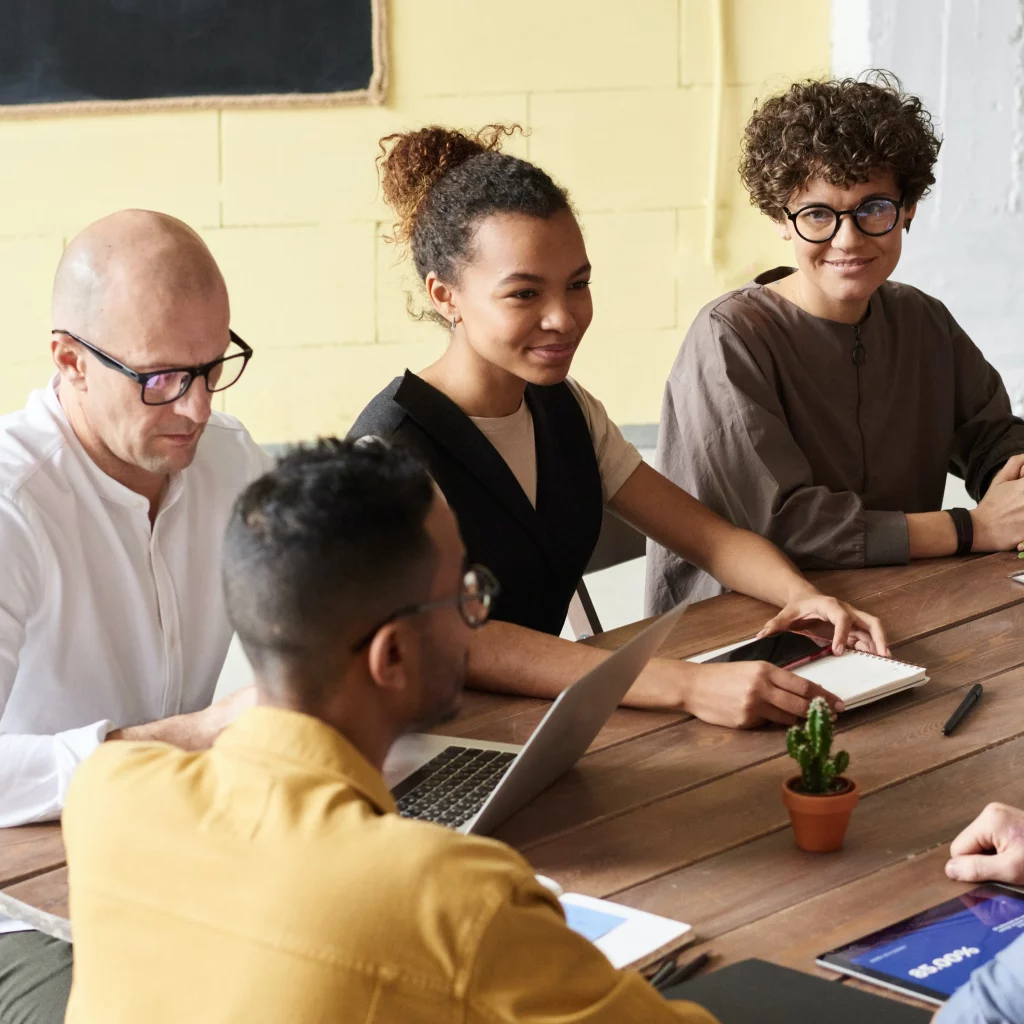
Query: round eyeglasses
[[477, 593], [820, 223], [161, 387]]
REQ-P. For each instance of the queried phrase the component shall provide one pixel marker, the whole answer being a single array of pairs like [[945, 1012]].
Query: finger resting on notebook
[[861, 640], [875, 630]]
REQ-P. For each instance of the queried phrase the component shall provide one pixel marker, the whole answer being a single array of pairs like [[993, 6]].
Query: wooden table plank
[[795, 936], [29, 850], [969, 591], [617, 854], [730, 616], [620, 778], [925, 604], [729, 890], [857, 584], [512, 720], [47, 891]]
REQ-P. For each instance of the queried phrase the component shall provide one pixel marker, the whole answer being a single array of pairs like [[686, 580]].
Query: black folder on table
[[757, 992]]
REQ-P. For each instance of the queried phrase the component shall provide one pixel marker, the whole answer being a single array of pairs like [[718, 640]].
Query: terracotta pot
[[819, 822]]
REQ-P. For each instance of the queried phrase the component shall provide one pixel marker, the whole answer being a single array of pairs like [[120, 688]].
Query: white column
[[965, 59]]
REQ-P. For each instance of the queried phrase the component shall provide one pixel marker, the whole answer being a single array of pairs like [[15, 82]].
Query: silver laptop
[[474, 785]]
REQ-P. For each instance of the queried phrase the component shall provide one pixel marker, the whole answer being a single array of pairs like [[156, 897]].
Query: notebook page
[[855, 675]]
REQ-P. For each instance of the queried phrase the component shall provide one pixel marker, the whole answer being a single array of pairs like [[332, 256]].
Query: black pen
[[681, 974], [973, 695], [666, 968]]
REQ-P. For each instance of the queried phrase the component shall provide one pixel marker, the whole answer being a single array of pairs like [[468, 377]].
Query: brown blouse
[[821, 435]]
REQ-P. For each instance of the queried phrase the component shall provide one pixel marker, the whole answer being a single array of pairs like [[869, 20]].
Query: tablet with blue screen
[[930, 955]]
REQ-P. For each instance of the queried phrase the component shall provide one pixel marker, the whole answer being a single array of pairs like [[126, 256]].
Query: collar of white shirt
[[105, 485]]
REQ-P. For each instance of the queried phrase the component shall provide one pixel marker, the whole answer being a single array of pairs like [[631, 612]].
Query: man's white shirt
[[105, 620]]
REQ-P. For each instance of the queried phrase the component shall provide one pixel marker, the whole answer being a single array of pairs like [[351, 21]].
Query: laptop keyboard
[[453, 786]]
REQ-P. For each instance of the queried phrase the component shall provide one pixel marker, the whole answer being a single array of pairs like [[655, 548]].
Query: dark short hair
[[440, 182], [842, 130], [331, 538]]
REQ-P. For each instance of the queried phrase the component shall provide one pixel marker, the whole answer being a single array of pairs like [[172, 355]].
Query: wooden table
[[672, 815]]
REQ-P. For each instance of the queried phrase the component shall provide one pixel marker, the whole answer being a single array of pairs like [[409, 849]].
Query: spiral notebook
[[855, 677]]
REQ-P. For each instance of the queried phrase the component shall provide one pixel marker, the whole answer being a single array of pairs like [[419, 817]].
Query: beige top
[[512, 437]]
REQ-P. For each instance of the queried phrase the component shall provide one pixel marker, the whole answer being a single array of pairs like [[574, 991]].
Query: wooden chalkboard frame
[[374, 94]]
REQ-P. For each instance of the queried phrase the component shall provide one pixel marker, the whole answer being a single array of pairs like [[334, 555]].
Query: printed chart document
[[623, 934]]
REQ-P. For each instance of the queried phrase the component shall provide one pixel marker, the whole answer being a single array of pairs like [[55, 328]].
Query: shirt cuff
[[74, 746], [886, 540]]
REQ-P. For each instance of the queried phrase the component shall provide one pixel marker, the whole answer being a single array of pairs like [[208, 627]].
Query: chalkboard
[[64, 56]]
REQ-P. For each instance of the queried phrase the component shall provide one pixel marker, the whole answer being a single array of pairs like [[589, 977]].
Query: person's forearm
[[194, 731], [504, 658], [931, 534], [185, 731], [748, 563], [739, 559]]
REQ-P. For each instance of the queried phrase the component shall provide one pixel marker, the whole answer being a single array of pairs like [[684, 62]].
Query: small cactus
[[811, 747]]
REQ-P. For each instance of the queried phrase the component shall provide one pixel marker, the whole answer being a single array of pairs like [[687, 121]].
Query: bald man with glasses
[[116, 482]]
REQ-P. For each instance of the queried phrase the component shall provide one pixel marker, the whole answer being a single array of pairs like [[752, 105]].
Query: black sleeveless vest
[[538, 554]]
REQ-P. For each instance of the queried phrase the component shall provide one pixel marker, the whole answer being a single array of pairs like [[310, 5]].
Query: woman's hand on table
[[739, 695], [742, 695], [851, 628]]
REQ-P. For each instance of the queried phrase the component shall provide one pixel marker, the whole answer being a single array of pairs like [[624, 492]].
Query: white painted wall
[[965, 59]]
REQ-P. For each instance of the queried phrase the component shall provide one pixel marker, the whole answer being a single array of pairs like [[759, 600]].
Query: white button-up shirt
[[105, 620]]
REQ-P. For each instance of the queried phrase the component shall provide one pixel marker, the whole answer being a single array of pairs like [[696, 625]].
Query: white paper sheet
[[623, 934]]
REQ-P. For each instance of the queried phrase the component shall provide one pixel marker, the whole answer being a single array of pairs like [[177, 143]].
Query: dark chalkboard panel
[[119, 54]]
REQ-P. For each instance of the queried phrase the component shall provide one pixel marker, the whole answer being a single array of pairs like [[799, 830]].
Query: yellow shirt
[[269, 879]]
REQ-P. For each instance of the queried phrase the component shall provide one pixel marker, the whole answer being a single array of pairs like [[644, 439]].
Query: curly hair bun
[[411, 162]]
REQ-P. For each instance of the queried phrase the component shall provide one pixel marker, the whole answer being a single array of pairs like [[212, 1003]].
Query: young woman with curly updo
[[822, 406], [528, 459]]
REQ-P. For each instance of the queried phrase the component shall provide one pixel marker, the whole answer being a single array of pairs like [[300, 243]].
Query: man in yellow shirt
[[270, 879]]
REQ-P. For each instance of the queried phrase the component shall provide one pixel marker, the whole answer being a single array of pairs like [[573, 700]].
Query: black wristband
[[964, 529]]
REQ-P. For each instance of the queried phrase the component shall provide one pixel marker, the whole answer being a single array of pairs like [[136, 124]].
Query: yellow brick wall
[[618, 99]]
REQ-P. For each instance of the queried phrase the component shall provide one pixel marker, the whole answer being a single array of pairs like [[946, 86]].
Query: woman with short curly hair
[[822, 406]]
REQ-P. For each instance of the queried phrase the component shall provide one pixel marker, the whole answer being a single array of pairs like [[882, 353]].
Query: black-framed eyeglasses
[[161, 387], [820, 223], [476, 595]]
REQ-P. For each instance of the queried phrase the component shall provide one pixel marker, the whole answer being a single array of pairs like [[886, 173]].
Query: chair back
[[619, 542]]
